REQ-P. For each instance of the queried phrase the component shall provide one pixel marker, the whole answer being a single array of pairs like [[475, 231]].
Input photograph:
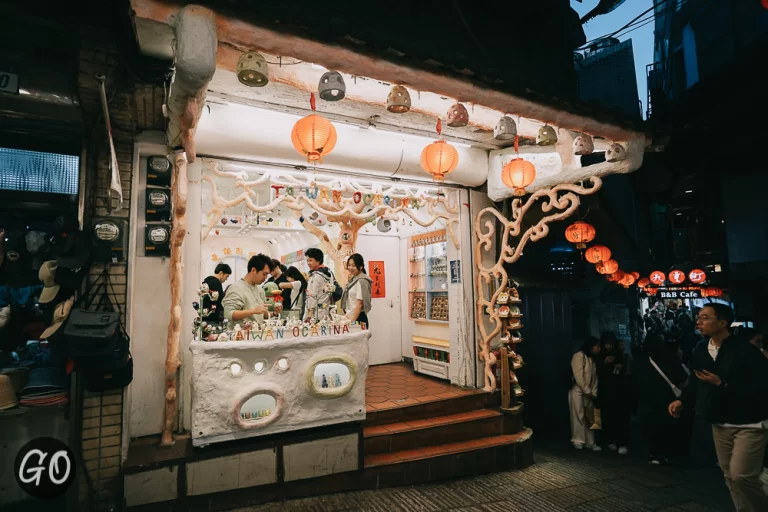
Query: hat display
[[47, 276], [60, 315], [7, 394], [46, 386], [35, 241], [75, 252]]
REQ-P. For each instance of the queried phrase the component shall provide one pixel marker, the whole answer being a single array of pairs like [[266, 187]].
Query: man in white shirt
[[245, 299]]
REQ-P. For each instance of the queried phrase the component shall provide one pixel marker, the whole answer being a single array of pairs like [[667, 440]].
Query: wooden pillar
[[179, 230]]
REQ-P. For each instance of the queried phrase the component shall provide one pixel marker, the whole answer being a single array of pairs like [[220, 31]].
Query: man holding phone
[[731, 392]]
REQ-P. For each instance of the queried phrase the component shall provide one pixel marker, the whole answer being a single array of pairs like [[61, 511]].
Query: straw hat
[[47, 275], [7, 394], [60, 315]]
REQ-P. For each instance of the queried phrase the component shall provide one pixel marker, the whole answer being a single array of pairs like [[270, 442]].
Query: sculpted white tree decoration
[[557, 203]]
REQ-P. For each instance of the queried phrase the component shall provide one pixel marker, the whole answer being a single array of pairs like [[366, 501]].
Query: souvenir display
[[503, 298], [439, 308], [504, 312], [419, 306]]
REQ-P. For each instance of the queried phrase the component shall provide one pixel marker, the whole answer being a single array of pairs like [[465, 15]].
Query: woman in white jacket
[[583, 394]]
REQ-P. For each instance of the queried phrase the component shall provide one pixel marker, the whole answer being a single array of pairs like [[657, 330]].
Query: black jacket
[[742, 397]]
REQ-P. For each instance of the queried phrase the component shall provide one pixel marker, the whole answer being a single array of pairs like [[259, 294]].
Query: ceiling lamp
[[580, 233], [332, 86], [583, 145], [644, 283], [252, 69], [313, 136], [627, 281], [458, 116], [518, 174], [505, 129], [607, 267], [399, 101], [616, 153], [546, 136], [439, 158], [598, 253]]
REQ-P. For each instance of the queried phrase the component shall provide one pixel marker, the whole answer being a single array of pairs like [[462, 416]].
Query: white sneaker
[[612, 447], [623, 451], [594, 448], [578, 446]]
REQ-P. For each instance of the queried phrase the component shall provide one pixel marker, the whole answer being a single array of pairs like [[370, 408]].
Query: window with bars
[[35, 171]]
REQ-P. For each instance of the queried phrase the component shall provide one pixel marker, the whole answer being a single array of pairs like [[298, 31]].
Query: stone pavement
[[562, 479]]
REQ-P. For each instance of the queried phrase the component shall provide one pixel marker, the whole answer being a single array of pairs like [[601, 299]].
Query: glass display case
[[428, 277]]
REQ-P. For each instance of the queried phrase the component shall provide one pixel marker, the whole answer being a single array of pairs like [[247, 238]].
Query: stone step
[[420, 433], [426, 408]]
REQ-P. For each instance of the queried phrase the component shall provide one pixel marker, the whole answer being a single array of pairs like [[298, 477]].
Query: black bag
[[94, 338], [115, 376], [338, 292]]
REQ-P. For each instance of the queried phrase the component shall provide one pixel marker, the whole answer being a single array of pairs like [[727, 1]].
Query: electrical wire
[[642, 14]]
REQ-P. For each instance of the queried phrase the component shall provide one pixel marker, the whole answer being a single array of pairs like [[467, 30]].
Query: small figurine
[[516, 337], [514, 296], [324, 382], [503, 298], [514, 311], [504, 336], [518, 390], [223, 336], [204, 289], [504, 311], [214, 295], [195, 306]]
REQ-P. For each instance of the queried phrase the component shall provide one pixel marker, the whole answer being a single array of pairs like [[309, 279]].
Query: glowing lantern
[[713, 292], [651, 291], [314, 135], [697, 276], [644, 283], [439, 158], [616, 276], [598, 253], [658, 277], [636, 275], [676, 277], [607, 267], [580, 233], [518, 174], [627, 281]]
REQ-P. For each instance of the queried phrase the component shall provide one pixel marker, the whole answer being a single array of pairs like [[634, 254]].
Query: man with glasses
[[731, 392]]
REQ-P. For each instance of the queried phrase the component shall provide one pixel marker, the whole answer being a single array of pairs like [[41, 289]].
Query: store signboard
[[672, 293], [376, 273], [455, 271], [9, 82]]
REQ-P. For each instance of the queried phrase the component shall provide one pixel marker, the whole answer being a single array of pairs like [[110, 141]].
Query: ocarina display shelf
[[508, 361]]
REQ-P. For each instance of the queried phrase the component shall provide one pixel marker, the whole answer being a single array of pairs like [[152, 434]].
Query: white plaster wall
[[462, 304], [217, 394]]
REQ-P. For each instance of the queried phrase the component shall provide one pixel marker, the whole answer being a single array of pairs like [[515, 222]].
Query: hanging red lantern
[[313, 136], [616, 276], [712, 292], [607, 267], [598, 253], [697, 276], [658, 277], [518, 174], [627, 281], [580, 233], [644, 282], [651, 291], [439, 158], [636, 275], [676, 277]]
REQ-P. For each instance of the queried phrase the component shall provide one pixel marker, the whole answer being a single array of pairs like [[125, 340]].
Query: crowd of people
[[307, 297], [682, 368]]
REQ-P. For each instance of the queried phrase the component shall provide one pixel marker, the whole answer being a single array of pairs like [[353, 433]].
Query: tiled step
[[504, 442], [429, 408], [420, 433]]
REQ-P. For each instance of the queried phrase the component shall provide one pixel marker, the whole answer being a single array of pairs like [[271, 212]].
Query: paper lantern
[[439, 158], [597, 254], [313, 136], [616, 153], [713, 292], [627, 281], [651, 291], [616, 276], [332, 86], [697, 276], [505, 129], [252, 69], [457, 116], [518, 174], [583, 145], [580, 233], [546, 136], [644, 282], [398, 100], [658, 277], [607, 267], [676, 277], [636, 275]]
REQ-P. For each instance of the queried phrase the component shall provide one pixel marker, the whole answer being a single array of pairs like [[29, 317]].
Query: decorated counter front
[[278, 379]]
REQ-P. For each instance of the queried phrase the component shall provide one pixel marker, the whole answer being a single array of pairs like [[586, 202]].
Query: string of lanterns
[[581, 233]]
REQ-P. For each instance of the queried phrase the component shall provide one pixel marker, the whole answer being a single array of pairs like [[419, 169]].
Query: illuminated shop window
[[258, 408], [34, 171]]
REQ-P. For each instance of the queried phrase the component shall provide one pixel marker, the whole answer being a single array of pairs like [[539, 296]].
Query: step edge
[[496, 415]]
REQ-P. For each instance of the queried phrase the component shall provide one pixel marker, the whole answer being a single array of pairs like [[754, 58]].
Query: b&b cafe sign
[[679, 293]]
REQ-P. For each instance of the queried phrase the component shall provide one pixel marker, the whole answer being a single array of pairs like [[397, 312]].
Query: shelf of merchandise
[[431, 356], [417, 283]]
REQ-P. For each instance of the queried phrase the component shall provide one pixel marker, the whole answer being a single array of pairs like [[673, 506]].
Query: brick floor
[[561, 480]]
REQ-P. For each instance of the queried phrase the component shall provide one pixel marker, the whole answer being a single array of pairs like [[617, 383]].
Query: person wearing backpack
[[297, 285], [322, 288]]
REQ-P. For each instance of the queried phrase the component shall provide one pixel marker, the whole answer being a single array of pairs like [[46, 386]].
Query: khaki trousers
[[740, 454]]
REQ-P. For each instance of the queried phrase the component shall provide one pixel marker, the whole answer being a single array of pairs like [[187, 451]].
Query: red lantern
[[627, 281], [644, 283], [439, 158], [314, 135], [697, 276], [580, 233], [636, 275], [651, 291], [616, 276], [658, 277], [597, 254], [676, 277], [713, 292], [518, 174], [607, 267]]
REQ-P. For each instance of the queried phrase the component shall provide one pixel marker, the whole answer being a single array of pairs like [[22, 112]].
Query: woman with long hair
[[356, 299], [298, 286], [583, 394]]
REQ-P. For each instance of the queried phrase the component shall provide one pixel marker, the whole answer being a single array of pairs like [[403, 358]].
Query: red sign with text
[[658, 277], [376, 273], [697, 276], [676, 277]]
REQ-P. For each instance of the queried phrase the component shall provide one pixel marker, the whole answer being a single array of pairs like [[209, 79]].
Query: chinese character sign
[[658, 277], [677, 276], [376, 273], [697, 276]]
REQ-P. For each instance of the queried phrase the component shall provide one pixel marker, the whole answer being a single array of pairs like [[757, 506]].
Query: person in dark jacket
[[613, 393], [730, 391], [215, 284]]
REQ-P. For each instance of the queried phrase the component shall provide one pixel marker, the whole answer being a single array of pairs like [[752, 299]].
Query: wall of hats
[[157, 207]]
